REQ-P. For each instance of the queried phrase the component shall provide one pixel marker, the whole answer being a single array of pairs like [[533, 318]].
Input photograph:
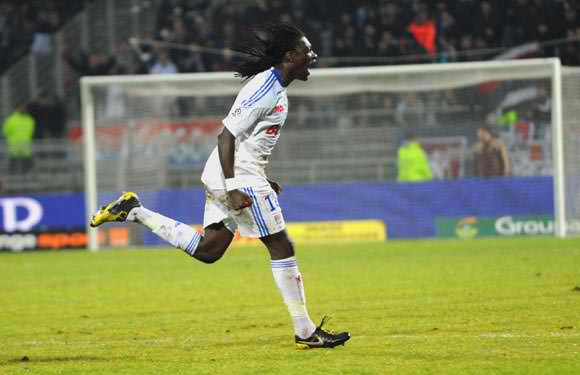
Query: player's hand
[[275, 186], [239, 200]]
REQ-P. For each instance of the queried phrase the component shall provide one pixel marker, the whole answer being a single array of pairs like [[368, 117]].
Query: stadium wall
[[462, 208]]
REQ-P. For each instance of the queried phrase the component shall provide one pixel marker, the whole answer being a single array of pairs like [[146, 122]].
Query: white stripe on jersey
[[255, 119]]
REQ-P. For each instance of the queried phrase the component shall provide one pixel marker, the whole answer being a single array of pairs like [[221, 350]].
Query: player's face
[[305, 57]]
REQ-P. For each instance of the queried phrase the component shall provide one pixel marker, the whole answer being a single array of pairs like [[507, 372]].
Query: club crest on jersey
[[279, 108], [273, 130]]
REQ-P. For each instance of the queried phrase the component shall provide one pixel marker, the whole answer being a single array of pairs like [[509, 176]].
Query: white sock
[[291, 287], [177, 234]]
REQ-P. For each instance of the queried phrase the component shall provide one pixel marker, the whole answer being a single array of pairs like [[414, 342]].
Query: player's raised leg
[[207, 248], [291, 285]]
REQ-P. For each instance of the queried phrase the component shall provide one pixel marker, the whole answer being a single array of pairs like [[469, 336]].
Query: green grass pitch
[[503, 306]]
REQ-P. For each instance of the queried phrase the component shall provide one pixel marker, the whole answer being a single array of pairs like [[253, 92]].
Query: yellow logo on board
[[326, 231]]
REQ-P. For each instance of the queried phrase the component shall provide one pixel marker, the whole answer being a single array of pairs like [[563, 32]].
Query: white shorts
[[264, 217]]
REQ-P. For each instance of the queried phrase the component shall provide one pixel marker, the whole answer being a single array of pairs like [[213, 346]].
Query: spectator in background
[[424, 31], [49, 115], [18, 130], [167, 105], [411, 111], [490, 156], [489, 23], [26, 26], [94, 64], [440, 165], [163, 65], [47, 22], [391, 19], [387, 45], [413, 164]]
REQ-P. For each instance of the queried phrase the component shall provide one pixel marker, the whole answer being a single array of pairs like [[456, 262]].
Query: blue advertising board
[[38, 212], [409, 210]]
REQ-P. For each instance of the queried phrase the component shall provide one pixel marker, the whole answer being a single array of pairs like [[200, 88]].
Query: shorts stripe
[[257, 214]]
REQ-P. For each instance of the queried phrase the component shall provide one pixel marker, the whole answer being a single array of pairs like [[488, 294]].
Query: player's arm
[[226, 152], [507, 165]]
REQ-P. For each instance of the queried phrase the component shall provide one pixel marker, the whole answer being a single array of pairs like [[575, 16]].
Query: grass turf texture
[[413, 307]]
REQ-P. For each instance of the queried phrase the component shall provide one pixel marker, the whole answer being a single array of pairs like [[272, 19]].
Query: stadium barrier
[[463, 208]]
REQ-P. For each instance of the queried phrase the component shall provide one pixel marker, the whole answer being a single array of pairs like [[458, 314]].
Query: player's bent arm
[[226, 152]]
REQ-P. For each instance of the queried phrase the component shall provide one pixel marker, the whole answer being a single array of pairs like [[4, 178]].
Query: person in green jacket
[[413, 163], [18, 130]]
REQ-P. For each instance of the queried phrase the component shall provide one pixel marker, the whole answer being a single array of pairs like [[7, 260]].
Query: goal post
[[558, 151], [135, 126]]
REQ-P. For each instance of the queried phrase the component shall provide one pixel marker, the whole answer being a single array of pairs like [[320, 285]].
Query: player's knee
[[208, 255], [209, 259], [281, 249]]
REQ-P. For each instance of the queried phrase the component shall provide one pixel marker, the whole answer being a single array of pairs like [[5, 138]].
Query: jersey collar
[[278, 75]]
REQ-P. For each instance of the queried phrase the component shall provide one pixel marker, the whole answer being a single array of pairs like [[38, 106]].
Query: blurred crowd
[[196, 36], [26, 26], [390, 31]]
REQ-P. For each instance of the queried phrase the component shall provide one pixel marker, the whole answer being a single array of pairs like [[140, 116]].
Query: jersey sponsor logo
[[237, 112], [273, 130], [279, 108]]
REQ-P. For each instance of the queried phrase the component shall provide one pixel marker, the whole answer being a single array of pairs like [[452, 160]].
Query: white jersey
[[256, 118]]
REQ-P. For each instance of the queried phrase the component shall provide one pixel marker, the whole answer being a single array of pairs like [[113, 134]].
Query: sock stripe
[[291, 259], [189, 245], [190, 249], [284, 263], [197, 241]]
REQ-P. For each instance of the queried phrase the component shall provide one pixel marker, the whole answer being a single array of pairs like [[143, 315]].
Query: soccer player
[[239, 196]]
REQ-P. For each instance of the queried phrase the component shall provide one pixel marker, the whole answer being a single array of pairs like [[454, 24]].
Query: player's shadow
[[79, 358]]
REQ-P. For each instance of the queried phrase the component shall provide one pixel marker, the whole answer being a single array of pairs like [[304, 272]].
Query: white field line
[[435, 336]]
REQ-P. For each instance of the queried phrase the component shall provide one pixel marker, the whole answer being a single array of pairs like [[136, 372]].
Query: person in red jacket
[[424, 31]]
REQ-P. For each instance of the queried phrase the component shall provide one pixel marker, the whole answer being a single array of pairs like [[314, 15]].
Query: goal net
[[152, 134]]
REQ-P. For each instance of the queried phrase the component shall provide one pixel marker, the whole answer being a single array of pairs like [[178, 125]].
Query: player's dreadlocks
[[267, 47]]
